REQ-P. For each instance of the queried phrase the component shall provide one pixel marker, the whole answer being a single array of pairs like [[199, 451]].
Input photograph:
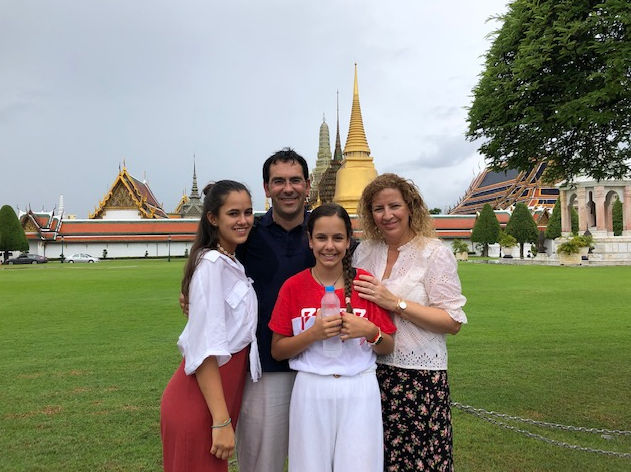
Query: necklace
[[225, 252], [315, 276]]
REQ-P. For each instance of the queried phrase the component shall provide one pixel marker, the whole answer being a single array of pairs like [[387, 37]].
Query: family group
[[362, 389]]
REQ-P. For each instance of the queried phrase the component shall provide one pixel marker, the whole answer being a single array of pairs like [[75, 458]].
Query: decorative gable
[[128, 198]]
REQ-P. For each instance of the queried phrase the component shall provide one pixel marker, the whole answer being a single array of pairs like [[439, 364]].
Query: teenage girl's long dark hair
[[333, 209], [208, 235]]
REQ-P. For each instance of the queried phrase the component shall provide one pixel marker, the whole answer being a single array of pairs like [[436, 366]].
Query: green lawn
[[86, 350]]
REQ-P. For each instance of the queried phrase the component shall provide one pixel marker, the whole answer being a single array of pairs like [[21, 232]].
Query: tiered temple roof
[[131, 195], [504, 189]]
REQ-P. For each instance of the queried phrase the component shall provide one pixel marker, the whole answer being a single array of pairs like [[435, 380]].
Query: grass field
[[86, 350]]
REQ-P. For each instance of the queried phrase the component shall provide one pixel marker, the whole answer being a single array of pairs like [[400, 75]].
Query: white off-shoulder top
[[426, 272], [222, 314]]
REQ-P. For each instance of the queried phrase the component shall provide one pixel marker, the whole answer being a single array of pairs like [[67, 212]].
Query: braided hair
[[348, 271]]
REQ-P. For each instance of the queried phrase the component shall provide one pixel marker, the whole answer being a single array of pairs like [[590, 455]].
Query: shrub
[[506, 240], [459, 246], [568, 247], [583, 241]]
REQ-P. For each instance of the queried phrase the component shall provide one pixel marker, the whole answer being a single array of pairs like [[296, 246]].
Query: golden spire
[[357, 169], [356, 139]]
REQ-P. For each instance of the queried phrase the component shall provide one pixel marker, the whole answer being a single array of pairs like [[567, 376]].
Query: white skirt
[[335, 423]]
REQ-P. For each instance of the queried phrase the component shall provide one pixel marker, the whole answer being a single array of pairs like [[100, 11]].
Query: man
[[276, 249]]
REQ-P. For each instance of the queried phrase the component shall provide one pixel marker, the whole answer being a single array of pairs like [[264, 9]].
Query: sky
[[87, 86]]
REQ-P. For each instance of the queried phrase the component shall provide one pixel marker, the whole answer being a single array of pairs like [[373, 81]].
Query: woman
[[416, 279], [200, 405], [335, 412]]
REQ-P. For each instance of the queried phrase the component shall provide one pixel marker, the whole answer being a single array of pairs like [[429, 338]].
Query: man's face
[[287, 189]]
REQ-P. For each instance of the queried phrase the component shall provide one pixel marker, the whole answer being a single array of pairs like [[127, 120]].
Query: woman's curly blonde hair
[[420, 220]]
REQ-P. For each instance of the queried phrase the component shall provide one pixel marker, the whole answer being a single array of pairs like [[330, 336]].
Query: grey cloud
[[441, 152]]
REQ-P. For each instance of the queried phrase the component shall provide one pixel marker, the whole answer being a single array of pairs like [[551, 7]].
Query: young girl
[[335, 412], [200, 405]]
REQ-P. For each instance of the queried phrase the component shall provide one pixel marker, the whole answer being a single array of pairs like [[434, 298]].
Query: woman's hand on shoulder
[[370, 288]]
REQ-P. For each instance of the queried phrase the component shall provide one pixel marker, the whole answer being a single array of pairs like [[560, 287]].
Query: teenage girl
[[200, 405], [335, 411]]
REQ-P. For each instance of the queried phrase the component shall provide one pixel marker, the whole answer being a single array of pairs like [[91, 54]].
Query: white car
[[81, 257]]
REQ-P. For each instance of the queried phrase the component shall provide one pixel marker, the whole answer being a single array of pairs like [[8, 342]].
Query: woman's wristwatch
[[401, 305]]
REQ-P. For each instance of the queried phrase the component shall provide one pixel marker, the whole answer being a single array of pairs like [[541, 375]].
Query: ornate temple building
[[128, 222], [502, 190], [128, 199]]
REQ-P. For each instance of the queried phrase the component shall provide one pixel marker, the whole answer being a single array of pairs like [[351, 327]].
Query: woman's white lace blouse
[[426, 272], [222, 314]]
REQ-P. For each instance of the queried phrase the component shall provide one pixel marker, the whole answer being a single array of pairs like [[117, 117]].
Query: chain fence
[[494, 417]]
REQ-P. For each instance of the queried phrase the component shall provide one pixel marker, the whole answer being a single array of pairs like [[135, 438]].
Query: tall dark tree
[[486, 229], [522, 227], [616, 217], [557, 88], [12, 237], [574, 221], [553, 230]]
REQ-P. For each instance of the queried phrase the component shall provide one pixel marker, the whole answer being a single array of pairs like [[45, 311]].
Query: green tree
[[486, 229], [616, 216], [553, 229], [435, 211], [556, 88], [12, 237], [574, 221], [522, 227]]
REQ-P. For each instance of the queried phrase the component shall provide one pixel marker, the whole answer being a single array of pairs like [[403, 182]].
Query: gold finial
[[356, 139]]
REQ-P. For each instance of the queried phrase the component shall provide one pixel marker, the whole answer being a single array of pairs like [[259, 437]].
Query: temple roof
[[504, 189], [127, 192]]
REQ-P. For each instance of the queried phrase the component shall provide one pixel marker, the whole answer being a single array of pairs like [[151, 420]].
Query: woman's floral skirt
[[416, 419]]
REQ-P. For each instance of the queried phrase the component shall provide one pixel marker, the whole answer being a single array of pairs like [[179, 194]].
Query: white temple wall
[[52, 250]]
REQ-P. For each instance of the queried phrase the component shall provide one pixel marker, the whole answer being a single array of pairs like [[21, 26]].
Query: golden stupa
[[357, 168]]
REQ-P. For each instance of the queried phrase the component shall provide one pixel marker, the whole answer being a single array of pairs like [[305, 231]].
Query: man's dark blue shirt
[[270, 256]]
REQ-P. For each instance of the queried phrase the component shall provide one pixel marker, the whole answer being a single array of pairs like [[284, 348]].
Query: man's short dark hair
[[286, 154]]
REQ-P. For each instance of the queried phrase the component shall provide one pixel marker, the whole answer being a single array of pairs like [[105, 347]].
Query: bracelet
[[225, 423], [377, 338]]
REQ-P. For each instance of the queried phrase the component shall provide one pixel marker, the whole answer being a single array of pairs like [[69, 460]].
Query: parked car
[[81, 257], [27, 258]]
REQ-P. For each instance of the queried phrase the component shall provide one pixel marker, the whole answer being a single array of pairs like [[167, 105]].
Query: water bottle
[[330, 305]]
